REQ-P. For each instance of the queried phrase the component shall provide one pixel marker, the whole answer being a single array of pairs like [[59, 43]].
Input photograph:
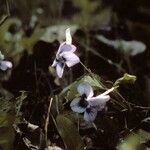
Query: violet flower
[[4, 64], [65, 55], [88, 104]]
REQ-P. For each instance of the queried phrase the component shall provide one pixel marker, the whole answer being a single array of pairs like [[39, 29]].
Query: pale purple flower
[[88, 104], [4, 64], [65, 55]]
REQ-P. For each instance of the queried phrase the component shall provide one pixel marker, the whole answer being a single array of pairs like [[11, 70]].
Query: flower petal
[[67, 48], [54, 63], [4, 65], [68, 36], [64, 47], [71, 58], [99, 101], [60, 69], [75, 106], [85, 88], [90, 114]]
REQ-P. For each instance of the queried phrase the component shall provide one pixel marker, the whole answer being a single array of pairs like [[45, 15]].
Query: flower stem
[[108, 91], [92, 75], [88, 70]]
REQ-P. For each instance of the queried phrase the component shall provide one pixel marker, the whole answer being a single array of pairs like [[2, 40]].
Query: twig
[[3, 19], [86, 48], [70, 79], [120, 104], [8, 8], [132, 104], [47, 118], [140, 107], [8, 13], [78, 126], [36, 79]]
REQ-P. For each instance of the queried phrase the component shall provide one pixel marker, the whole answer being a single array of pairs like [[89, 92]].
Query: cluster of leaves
[[9, 115]]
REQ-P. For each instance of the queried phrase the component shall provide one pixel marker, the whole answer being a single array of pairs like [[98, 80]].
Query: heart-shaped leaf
[[69, 133]]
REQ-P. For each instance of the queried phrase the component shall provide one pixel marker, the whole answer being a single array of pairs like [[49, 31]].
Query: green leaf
[[94, 81], [132, 142], [126, 79], [70, 92], [144, 136], [69, 133], [6, 119], [8, 111], [7, 136]]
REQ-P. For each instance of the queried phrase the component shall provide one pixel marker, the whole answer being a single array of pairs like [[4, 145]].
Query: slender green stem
[[88, 70], [92, 75]]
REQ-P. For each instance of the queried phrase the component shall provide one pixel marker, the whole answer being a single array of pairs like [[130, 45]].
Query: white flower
[[65, 55], [4, 64], [88, 104]]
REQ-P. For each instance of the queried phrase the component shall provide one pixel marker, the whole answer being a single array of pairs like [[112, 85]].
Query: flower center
[[60, 59], [83, 103], [88, 110]]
